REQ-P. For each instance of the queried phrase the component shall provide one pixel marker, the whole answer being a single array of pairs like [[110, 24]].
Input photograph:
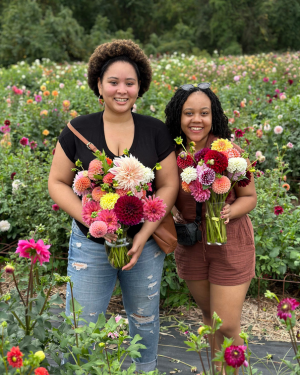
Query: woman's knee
[[229, 330]]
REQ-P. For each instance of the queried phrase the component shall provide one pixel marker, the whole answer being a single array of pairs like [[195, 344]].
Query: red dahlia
[[14, 357], [200, 154], [235, 355], [278, 210], [7, 122], [239, 133], [216, 161], [184, 160], [41, 371], [129, 210], [246, 181]]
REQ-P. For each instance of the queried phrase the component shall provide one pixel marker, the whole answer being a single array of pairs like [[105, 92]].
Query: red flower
[[24, 141], [53, 151], [12, 175], [41, 371], [247, 141], [246, 181], [200, 154], [235, 355], [290, 81], [216, 161], [7, 122], [285, 307], [108, 161], [278, 210], [14, 357], [184, 160], [129, 210], [55, 207], [239, 133]]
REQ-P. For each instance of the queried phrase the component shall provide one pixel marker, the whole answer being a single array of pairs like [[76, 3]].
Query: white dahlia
[[128, 172], [189, 174], [237, 165]]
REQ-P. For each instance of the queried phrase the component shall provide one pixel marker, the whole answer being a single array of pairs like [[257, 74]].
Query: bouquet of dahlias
[[209, 175], [114, 197]]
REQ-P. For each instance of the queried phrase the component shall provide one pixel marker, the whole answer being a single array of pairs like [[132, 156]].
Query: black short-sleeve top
[[151, 144]]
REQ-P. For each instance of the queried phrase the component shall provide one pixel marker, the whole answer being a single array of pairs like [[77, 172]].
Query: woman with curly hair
[[218, 277], [119, 72]]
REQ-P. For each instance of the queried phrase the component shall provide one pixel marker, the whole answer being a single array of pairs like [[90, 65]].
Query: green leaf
[[39, 333]]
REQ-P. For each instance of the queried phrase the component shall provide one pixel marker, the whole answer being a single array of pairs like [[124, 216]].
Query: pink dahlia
[[207, 176], [221, 185], [129, 210], [216, 161], [200, 154], [184, 160], [128, 172], [110, 219], [285, 307], [197, 191], [235, 176], [98, 193], [55, 207], [239, 133], [81, 183], [98, 229], [24, 141], [231, 153], [33, 145], [90, 211], [35, 251], [235, 355], [121, 192], [108, 179], [154, 208], [278, 210], [95, 167]]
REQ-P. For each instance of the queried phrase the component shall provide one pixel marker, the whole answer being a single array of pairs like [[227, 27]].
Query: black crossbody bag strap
[[198, 220]]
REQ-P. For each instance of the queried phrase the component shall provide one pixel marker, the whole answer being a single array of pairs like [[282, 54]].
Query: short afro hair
[[122, 48]]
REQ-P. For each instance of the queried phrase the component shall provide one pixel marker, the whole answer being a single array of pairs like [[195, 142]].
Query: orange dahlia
[[82, 183], [286, 187], [231, 153], [97, 193], [185, 187], [221, 185], [108, 179], [95, 167]]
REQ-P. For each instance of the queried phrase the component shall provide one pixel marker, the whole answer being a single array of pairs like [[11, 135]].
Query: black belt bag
[[189, 234]]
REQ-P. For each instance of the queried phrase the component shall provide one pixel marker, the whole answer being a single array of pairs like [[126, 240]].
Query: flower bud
[[183, 155], [200, 330], [4, 324], [101, 344], [40, 355], [9, 268]]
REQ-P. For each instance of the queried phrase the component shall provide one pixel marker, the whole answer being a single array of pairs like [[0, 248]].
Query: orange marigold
[[185, 187]]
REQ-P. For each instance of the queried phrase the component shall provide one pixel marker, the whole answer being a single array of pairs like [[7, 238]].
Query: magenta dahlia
[[184, 160], [216, 161], [198, 193], [110, 219], [154, 208], [285, 307], [246, 181], [24, 141], [98, 229], [207, 176], [36, 251], [90, 211], [235, 355], [129, 210], [200, 154], [278, 210]]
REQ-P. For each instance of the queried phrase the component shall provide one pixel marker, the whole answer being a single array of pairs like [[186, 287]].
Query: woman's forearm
[[242, 206]]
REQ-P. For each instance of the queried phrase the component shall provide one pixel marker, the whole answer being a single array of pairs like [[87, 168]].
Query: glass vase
[[215, 227], [117, 250]]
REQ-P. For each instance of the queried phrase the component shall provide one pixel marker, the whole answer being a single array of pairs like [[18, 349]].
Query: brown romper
[[230, 264]]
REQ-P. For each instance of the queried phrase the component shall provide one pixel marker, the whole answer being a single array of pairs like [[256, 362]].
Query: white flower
[[189, 174], [258, 154], [128, 172], [148, 175], [4, 225], [15, 185], [278, 129], [152, 108], [261, 159], [236, 165], [280, 117], [267, 127]]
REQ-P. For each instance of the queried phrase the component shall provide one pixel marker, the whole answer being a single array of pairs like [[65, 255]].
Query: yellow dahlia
[[221, 145], [108, 201]]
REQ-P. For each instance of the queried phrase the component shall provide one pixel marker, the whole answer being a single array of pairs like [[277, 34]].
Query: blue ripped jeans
[[94, 280]]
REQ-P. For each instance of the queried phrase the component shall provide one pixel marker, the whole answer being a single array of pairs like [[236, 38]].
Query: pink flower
[[289, 145], [33, 145], [90, 212], [198, 193], [5, 129], [98, 229], [245, 364], [118, 318], [239, 133], [235, 355], [221, 185], [207, 176], [285, 307], [154, 208], [110, 219], [81, 183], [278, 129], [236, 78], [200, 154], [278, 210], [38, 98], [128, 172], [24, 141], [95, 168], [35, 251], [266, 79], [129, 210], [55, 207]]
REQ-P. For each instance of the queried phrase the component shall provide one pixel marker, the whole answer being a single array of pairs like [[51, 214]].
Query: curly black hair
[[173, 111], [119, 50]]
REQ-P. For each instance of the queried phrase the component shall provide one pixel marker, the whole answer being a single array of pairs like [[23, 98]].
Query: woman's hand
[[178, 218], [226, 213], [110, 237], [135, 252]]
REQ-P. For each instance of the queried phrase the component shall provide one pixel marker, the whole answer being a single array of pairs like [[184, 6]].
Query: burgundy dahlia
[[216, 161], [12, 176], [129, 210], [285, 307], [278, 210], [239, 133], [7, 122], [246, 181], [200, 154], [184, 160], [235, 355], [207, 177]]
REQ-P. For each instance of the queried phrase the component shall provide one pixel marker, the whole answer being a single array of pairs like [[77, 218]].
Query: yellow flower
[[66, 103], [73, 113], [46, 132], [43, 88], [82, 87], [221, 145], [44, 112], [40, 355], [108, 201]]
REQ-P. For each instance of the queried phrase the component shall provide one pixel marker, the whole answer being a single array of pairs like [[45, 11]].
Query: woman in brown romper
[[217, 276]]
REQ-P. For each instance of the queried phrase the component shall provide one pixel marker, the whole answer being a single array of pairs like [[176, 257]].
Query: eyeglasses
[[188, 86]]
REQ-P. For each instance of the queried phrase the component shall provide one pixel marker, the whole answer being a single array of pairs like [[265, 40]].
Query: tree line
[[71, 29]]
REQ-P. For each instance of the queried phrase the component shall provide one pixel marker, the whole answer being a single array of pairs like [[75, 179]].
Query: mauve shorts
[[230, 264]]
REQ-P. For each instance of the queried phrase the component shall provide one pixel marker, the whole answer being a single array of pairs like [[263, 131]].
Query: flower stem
[[75, 323], [2, 346], [16, 284], [43, 308], [107, 359], [200, 356]]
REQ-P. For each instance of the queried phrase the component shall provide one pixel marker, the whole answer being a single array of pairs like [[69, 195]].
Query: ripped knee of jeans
[[140, 320]]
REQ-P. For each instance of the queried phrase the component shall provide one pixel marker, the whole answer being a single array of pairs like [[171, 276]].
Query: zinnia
[[235, 355], [278, 210], [98, 229], [110, 219], [35, 251], [14, 357], [90, 211], [129, 210], [128, 172], [154, 208], [221, 185], [285, 307], [216, 161]]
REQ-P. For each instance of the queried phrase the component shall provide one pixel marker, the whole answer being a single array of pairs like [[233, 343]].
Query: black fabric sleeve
[[67, 142], [164, 143]]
